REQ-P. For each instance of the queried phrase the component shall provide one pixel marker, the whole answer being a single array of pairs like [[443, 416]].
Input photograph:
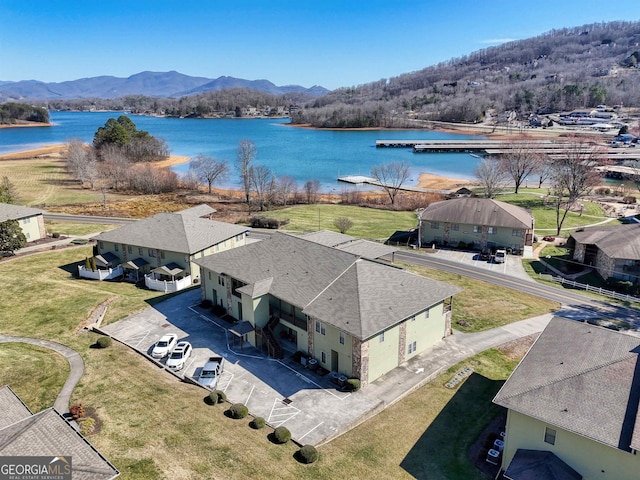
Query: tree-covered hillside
[[560, 70], [12, 113]]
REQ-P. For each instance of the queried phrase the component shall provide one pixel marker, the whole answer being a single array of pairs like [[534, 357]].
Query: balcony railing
[[166, 286], [100, 274]]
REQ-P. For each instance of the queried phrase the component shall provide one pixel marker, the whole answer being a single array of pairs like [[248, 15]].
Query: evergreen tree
[[11, 236]]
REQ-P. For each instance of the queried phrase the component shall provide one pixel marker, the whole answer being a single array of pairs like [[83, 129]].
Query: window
[[342, 338], [455, 227], [209, 275], [26, 220], [220, 280], [324, 357], [28, 235], [549, 436], [517, 232], [477, 229], [435, 225], [426, 313], [101, 243], [238, 237], [115, 247], [216, 248], [492, 230], [412, 347], [413, 319], [381, 337], [152, 252], [320, 328], [140, 251], [129, 249], [161, 253]]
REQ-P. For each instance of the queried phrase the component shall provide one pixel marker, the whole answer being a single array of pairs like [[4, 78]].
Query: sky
[[332, 43]]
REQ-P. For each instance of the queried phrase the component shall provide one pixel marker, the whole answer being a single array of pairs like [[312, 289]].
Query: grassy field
[[154, 427], [545, 217], [367, 222], [482, 305], [45, 182], [76, 229]]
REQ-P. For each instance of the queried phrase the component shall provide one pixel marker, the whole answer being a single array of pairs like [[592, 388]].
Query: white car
[[179, 356], [500, 256], [163, 347]]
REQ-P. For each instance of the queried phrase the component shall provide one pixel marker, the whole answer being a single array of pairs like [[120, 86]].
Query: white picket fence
[[590, 288]]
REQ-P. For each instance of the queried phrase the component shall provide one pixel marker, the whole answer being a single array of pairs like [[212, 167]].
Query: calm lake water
[[303, 154]]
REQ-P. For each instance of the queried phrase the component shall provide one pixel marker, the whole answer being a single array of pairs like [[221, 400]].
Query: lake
[[304, 154]]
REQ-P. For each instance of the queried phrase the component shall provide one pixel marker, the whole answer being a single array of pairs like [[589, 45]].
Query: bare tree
[[82, 162], [190, 180], [519, 161], [262, 179], [286, 189], [245, 155], [544, 170], [114, 167], [343, 224], [490, 176], [391, 177], [573, 175], [209, 169], [311, 189]]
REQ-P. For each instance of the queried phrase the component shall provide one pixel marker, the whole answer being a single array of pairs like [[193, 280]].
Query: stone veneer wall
[[578, 252], [310, 332], [360, 360], [604, 264], [402, 342]]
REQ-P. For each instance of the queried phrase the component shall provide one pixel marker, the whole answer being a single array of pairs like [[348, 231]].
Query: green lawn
[[367, 222], [545, 216], [76, 229], [154, 427]]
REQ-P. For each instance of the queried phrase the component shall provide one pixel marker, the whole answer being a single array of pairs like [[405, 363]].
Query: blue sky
[[326, 42]]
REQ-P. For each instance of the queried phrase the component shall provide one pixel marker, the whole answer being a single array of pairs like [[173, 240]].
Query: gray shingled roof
[[359, 296], [478, 211], [197, 211], [328, 238], [173, 232], [616, 241], [347, 243], [13, 409], [17, 212], [48, 434], [581, 378], [539, 465]]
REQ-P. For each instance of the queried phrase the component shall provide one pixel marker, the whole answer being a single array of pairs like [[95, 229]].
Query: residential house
[[162, 249], [349, 314], [48, 434], [572, 406], [614, 251], [477, 223], [31, 220], [347, 243]]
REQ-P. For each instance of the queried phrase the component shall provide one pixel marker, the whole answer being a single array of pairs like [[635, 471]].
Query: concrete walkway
[[76, 367]]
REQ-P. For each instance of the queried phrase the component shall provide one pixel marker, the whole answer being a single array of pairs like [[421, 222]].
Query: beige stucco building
[[573, 406], [162, 249], [476, 223], [350, 314], [31, 220]]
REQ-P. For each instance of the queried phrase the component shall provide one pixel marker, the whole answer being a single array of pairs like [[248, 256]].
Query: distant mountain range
[[152, 84]]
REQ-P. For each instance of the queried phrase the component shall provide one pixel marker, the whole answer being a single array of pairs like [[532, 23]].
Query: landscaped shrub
[[261, 222], [258, 423], [219, 310], [104, 342], [282, 434], [308, 454], [77, 411], [206, 303], [629, 199], [352, 385], [217, 396], [238, 410], [87, 425], [55, 235]]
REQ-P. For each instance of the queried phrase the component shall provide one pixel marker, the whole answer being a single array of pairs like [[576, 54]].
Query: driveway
[[284, 392], [512, 266]]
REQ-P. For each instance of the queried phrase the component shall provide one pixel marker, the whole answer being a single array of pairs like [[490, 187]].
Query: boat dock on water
[[363, 180]]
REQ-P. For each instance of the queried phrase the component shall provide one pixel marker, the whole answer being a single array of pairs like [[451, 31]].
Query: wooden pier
[[362, 180]]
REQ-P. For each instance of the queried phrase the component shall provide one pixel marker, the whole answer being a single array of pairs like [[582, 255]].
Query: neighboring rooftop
[[478, 211], [347, 243], [181, 232], [359, 296], [616, 241], [9, 211], [581, 378], [13, 409]]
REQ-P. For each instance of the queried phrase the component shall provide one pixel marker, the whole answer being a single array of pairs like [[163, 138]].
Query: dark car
[[485, 253]]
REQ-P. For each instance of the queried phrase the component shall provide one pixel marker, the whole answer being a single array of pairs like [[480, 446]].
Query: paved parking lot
[[512, 266]]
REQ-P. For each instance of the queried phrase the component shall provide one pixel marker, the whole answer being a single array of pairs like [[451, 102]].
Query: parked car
[[211, 371], [548, 238], [485, 253], [179, 356], [500, 256], [164, 346]]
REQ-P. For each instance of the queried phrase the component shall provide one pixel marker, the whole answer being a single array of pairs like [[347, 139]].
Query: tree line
[[11, 113]]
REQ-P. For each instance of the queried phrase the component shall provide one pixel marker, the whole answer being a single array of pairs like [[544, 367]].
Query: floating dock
[[362, 180]]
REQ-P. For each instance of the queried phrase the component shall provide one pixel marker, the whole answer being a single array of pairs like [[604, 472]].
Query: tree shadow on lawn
[[443, 450]]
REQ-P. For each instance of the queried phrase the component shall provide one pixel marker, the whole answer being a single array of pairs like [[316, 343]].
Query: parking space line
[[308, 380], [252, 388], [310, 431], [280, 409], [228, 376], [133, 337]]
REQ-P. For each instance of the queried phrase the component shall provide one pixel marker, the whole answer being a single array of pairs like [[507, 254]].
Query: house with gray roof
[[48, 434], [614, 251], [345, 312], [163, 248], [31, 220], [347, 243], [476, 223], [573, 406]]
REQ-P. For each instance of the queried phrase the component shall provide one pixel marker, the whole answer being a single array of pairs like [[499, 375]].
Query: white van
[[500, 256]]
